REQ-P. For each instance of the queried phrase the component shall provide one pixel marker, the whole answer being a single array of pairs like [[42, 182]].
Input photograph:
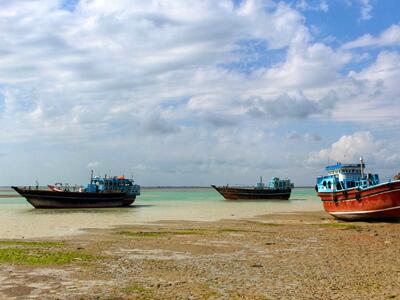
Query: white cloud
[[389, 37], [304, 5], [93, 164], [285, 25], [371, 96], [105, 64], [349, 148], [366, 9], [145, 83], [315, 65], [308, 137], [289, 106]]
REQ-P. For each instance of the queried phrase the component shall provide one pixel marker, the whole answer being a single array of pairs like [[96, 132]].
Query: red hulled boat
[[348, 193], [277, 189]]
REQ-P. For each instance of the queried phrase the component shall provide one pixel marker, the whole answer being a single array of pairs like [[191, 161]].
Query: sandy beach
[[281, 256]]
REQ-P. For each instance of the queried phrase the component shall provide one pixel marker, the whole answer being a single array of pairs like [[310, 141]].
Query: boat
[[348, 193], [279, 189], [116, 191]]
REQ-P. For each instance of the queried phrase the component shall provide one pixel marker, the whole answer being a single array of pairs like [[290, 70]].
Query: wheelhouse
[[345, 176], [112, 184], [275, 183]]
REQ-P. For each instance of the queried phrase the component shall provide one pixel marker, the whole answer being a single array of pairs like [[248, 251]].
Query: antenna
[[91, 177], [362, 167]]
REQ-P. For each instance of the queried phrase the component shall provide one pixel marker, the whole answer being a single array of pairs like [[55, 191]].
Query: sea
[[18, 219]]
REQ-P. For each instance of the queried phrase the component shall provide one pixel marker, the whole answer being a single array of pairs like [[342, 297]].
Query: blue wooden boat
[[348, 193], [105, 191]]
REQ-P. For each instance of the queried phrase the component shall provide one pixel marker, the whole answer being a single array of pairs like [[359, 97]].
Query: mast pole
[[362, 167]]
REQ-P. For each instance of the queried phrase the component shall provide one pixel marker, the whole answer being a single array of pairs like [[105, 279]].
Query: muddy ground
[[282, 256]]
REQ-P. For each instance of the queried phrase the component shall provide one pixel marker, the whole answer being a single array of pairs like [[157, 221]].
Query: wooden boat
[[349, 194], [99, 193], [277, 189]]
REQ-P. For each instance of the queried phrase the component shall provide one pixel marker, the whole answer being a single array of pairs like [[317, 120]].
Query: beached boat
[[277, 189], [100, 192], [348, 193]]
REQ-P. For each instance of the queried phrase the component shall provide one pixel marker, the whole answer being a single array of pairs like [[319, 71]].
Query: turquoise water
[[193, 194], [19, 219]]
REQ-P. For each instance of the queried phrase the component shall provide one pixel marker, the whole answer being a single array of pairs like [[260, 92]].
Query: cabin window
[[324, 183], [329, 184], [338, 186]]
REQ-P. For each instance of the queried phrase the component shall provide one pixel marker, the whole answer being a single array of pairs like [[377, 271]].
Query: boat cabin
[[345, 176], [276, 184], [112, 184]]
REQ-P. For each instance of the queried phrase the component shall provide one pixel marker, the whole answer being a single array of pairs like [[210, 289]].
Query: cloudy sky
[[180, 92]]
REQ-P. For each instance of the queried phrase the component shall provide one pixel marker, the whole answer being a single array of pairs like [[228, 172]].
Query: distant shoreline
[[200, 187], [6, 188]]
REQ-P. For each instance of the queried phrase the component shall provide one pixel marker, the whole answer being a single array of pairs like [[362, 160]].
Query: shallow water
[[19, 219]]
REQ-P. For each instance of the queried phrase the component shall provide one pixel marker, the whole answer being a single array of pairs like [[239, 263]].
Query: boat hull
[[231, 193], [53, 199], [374, 203]]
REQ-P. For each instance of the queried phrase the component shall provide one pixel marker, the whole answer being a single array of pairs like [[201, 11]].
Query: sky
[[177, 92]]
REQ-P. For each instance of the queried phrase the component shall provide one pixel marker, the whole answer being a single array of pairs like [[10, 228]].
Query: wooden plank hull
[[374, 203], [231, 193], [53, 199]]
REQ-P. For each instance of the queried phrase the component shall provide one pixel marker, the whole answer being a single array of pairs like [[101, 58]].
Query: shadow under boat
[[125, 209]]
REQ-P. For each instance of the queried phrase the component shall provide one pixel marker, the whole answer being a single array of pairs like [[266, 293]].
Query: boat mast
[[91, 177], [362, 167]]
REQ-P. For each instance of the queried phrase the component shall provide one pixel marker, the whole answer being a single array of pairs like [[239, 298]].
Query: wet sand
[[8, 193], [280, 256]]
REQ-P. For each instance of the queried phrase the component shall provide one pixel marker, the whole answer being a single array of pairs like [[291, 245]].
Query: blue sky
[[199, 92], [343, 19]]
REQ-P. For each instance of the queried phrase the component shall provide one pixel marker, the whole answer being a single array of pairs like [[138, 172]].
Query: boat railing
[[239, 185], [63, 188], [33, 188], [72, 188]]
